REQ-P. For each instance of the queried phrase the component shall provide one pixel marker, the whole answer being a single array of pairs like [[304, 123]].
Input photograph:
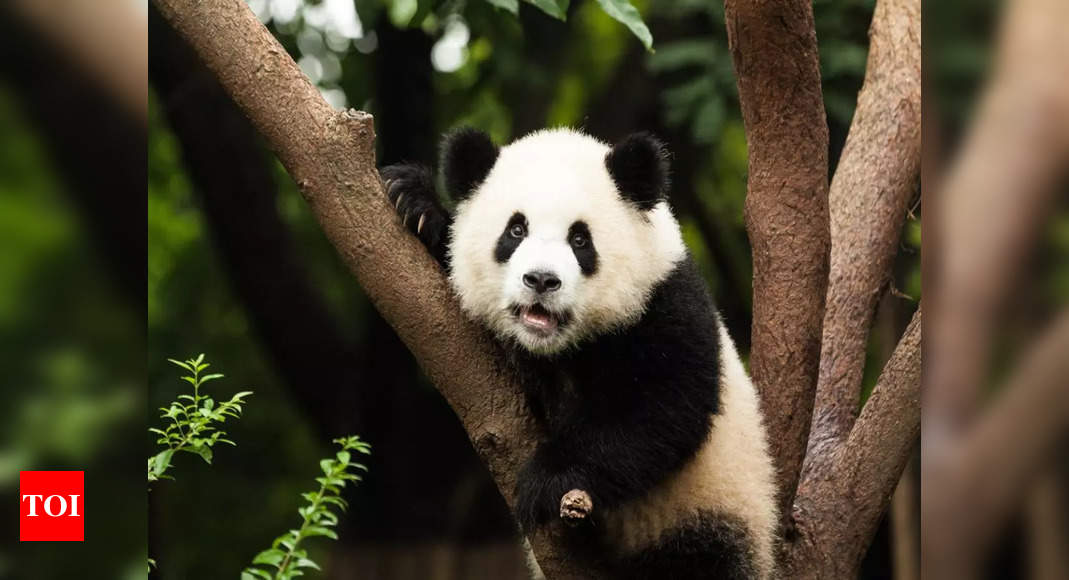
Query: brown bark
[[330, 155], [774, 48], [870, 194], [906, 526], [839, 506]]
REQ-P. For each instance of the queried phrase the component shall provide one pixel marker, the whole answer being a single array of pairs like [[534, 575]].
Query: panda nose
[[542, 282]]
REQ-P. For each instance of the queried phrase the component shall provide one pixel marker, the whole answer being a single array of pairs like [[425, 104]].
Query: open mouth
[[537, 319]]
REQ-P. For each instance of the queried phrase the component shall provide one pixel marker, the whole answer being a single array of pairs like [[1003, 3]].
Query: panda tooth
[[419, 228]]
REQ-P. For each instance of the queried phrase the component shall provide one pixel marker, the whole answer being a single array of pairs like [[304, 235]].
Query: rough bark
[[774, 47], [869, 198], [839, 506], [330, 154]]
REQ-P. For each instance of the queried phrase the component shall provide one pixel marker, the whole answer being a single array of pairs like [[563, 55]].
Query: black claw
[[410, 190]]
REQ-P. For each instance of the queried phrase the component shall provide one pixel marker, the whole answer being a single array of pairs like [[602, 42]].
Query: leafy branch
[[620, 10], [193, 420], [285, 558]]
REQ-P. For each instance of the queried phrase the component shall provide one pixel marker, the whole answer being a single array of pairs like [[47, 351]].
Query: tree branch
[[774, 48], [839, 506], [870, 194], [331, 156], [232, 177]]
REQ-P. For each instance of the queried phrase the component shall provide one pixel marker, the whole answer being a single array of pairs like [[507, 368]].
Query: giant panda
[[566, 250]]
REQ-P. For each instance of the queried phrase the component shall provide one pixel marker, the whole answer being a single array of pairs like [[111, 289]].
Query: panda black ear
[[467, 155], [639, 166]]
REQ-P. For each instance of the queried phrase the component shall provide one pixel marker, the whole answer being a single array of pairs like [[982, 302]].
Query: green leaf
[[320, 531], [306, 563], [343, 457], [204, 451], [622, 11], [556, 8], [160, 462], [512, 6], [327, 465], [181, 364], [270, 557], [211, 377], [254, 573]]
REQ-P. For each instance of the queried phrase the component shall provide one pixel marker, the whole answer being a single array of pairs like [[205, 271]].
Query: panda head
[[558, 237]]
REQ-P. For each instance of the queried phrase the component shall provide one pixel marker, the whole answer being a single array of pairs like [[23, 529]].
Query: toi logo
[[52, 506]]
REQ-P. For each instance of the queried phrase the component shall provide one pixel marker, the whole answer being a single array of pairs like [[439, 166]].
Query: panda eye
[[578, 240], [518, 231]]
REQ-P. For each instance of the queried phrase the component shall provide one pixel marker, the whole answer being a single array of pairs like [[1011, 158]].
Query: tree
[[806, 254]]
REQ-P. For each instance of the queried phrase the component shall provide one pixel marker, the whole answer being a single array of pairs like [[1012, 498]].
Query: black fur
[[467, 155], [709, 546], [639, 166], [410, 189], [585, 254], [507, 243], [625, 410]]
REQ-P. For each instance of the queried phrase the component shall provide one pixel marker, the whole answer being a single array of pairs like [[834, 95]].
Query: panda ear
[[639, 166], [467, 155]]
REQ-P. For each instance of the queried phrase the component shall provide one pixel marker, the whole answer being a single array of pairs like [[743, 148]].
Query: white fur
[[556, 177], [732, 474]]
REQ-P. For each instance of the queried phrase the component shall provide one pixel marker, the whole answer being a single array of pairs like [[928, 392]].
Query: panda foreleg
[[411, 191], [543, 483]]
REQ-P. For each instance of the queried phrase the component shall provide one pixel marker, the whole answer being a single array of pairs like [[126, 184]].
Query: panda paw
[[576, 507], [410, 190], [541, 497]]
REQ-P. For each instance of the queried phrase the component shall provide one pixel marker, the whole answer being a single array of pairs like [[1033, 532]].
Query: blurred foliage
[[72, 396]]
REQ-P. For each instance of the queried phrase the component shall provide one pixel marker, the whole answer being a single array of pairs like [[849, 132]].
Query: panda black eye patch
[[510, 239], [583, 247]]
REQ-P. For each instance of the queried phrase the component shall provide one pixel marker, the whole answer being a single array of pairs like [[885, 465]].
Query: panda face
[[547, 250]]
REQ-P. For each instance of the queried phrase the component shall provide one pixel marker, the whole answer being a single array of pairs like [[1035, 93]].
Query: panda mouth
[[538, 319]]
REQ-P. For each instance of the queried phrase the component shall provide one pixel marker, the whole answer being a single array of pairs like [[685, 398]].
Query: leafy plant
[[621, 11], [286, 559], [194, 420]]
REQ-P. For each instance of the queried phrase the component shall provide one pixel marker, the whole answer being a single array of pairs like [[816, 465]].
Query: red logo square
[[51, 506]]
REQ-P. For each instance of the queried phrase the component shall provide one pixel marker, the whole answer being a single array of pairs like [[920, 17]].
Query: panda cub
[[567, 251]]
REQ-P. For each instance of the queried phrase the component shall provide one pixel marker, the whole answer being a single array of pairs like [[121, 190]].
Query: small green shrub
[[286, 559], [194, 420]]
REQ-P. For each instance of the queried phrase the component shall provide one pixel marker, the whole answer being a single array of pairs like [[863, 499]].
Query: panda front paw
[[410, 190], [540, 495]]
